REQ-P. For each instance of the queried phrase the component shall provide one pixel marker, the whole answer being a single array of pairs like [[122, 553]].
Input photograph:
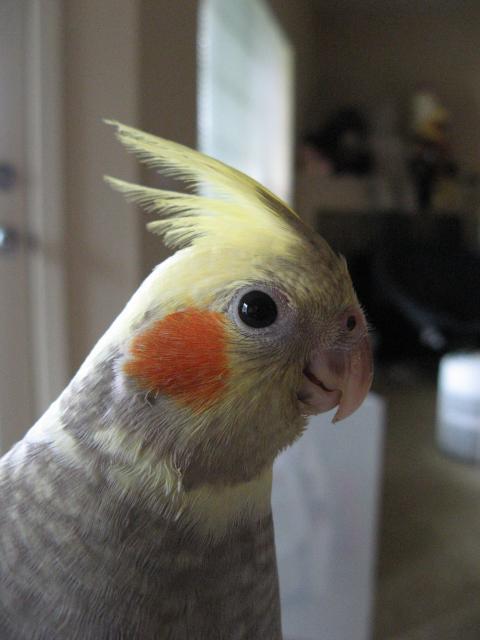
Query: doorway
[[32, 325]]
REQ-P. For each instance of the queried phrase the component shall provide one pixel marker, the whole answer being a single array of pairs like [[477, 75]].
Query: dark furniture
[[415, 276]]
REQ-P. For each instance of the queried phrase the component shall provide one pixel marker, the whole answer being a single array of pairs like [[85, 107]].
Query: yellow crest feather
[[241, 203]]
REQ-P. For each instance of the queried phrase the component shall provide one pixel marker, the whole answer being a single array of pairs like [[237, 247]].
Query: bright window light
[[245, 100]]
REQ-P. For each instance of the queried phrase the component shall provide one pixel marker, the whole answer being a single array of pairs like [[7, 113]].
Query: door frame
[[46, 200]]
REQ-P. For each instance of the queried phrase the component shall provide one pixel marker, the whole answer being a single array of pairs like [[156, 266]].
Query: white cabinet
[[325, 504]]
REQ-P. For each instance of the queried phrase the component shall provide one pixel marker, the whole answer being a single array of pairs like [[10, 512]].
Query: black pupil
[[257, 309], [351, 323]]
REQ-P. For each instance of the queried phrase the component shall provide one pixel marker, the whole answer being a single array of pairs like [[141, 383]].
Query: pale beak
[[340, 376]]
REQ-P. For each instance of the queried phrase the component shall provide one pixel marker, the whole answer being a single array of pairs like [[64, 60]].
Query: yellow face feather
[[238, 238], [243, 234], [244, 217], [240, 231]]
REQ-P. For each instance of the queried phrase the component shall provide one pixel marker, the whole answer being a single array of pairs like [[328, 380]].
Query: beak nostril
[[351, 323]]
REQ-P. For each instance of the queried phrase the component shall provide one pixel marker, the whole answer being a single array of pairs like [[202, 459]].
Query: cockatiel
[[138, 506]]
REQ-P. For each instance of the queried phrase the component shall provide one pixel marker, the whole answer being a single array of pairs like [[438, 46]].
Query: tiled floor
[[429, 545]]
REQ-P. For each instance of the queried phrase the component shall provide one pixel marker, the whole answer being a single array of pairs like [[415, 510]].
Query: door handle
[[8, 176], [9, 239]]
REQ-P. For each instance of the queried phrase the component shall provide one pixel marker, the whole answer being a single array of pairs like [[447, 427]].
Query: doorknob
[[9, 239], [8, 176]]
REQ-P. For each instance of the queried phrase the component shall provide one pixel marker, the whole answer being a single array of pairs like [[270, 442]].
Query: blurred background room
[[365, 115]]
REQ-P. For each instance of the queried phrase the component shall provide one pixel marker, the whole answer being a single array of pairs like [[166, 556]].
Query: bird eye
[[257, 309], [351, 323]]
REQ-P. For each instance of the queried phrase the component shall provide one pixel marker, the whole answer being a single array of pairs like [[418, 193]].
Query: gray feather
[[81, 561]]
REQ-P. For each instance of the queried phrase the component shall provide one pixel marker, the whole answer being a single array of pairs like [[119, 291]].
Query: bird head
[[252, 325]]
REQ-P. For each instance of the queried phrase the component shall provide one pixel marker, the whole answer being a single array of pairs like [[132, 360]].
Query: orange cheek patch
[[183, 355]]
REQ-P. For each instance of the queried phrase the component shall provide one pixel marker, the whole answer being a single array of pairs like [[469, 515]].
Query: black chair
[[433, 290]]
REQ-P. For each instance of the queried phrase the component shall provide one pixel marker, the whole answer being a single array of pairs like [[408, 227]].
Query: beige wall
[[101, 74], [301, 22], [371, 57], [168, 96]]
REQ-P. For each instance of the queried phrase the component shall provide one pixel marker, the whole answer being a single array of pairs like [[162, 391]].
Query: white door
[[15, 331]]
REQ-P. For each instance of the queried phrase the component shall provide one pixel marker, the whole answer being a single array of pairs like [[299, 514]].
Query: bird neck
[[139, 459]]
